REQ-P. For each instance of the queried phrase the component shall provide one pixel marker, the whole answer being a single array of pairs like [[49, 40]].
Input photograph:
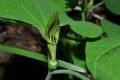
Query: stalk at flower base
[[53, 61]]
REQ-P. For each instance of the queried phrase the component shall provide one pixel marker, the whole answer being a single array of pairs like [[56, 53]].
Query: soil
[[15, 67]]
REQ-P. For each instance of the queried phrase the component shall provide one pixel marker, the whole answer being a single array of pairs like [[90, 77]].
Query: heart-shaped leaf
[[102, 58], [38, 12], [35, 12], [113, 6]]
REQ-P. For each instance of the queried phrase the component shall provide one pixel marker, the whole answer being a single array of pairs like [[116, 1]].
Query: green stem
[[83, 16], [53, 61], [52, 49], [49, 76], [70, 72], [95, 6], [71, 66]]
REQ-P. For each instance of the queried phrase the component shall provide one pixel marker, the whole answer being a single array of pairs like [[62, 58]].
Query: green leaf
[[87, 29], [102, 58], [21, 52], [77, 61], [35, 12], [72, 3], [38, 12], [109, 66], [83, 28], [113, 6], [78, 55], [110, 28]]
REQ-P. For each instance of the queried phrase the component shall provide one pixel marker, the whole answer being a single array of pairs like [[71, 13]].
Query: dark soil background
[[19, 67]]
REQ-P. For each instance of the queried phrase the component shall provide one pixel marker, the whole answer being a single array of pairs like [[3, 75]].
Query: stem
[[94, 7], [70, 72], [49, 76], [90, 11], [52, 49], [97, 16], [71, 66], [83, 9], [83, 16], [53, 61]]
